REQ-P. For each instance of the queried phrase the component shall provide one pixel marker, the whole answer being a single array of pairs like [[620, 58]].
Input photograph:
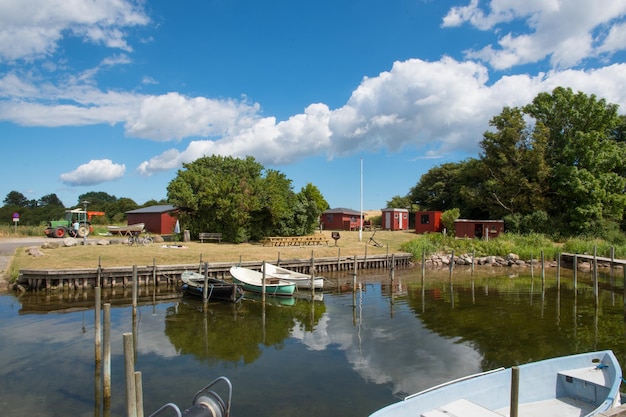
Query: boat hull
[[586, 383], [252, 281], [301, 280], [193, 286]]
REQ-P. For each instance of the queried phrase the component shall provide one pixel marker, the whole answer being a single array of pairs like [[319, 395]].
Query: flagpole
[[361, 216]]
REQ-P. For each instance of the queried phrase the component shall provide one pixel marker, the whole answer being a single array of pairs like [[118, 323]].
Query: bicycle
[[135, 239]]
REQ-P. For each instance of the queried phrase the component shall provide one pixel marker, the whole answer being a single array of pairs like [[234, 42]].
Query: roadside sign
[[16, 217]]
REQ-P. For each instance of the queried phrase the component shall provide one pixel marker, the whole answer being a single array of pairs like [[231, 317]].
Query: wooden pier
[[121, 276]]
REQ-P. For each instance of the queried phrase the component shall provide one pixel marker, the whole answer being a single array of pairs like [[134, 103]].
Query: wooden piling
[[97, 329], [106, 366], [263, 282], [514, 391], [134, 284], [138, 393], [129, 368]]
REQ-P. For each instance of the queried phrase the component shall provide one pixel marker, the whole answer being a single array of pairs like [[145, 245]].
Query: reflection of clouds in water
[[22, 335], [396, 350]]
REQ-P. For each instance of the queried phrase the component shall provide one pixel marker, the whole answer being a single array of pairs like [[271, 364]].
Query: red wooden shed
[[157, 219], [395, 219], [428, 222], [341, 219], [478, 229]]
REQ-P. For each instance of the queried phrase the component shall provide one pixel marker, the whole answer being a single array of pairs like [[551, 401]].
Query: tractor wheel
[[83, 230], [59, 232]]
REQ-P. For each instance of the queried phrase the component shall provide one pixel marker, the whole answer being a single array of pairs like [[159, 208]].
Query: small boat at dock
[[253, 281], [301, 280], [217, 289], [578, 385]]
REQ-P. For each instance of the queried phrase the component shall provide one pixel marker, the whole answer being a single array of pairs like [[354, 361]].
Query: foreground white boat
[[577, 385], [301, 280], [251, 280]]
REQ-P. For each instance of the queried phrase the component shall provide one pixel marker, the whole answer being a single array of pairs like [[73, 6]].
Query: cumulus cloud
[[94, 172], [32, 29], [567, 32], [444, 106]]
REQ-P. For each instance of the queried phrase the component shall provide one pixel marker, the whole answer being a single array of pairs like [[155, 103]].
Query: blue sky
[[115, 95]]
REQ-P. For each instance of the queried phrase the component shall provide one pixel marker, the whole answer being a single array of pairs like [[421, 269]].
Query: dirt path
[[8, 246]]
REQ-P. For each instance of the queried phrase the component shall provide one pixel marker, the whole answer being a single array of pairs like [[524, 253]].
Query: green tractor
[[65, 227]]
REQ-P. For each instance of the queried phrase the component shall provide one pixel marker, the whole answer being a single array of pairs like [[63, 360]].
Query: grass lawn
[[123, 255]]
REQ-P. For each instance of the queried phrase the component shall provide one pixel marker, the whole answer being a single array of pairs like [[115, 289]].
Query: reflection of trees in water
[[507, 319], [234, 333]]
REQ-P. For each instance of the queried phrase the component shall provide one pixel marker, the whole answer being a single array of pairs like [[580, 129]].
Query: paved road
[[7, 250]]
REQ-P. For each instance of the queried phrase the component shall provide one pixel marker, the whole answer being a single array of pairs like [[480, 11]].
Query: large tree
[[241, 200]]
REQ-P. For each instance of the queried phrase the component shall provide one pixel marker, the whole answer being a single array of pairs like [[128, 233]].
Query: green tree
[[516, 172], [219, 194], [586, 156], [16, 199], [400, 202]]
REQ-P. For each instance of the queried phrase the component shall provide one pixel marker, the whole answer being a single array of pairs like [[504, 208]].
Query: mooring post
[[263, 282], [595, 274], [154, 274], [558, 270], [451, 264], [543, 273], [138, 393], [106, 366], [205, 289], [312, 272], [97, 329], [423, 264], [514, 391], [473, 260], [134, 286], [575, 271], [278, 260], [129, 370], [99, 276]]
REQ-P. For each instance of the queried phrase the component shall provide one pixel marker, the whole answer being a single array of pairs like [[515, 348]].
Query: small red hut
[[428, 222], [159, 219], [341, 219], [478, 229], [395, 219]]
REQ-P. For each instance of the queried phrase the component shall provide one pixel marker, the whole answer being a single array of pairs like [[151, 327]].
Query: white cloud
[[31, 29], [94, 172], [567, 32], [444, 105]]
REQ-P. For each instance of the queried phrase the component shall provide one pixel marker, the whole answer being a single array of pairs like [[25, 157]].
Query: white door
[[387, 220]]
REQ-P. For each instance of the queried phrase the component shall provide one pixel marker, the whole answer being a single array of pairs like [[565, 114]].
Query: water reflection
[[348, 354]]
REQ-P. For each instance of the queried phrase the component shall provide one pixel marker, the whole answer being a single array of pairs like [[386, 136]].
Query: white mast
[[361, 215]]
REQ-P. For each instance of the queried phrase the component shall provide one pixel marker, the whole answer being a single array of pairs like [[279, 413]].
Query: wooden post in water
[[532, 271], [154, 274], [278, 260], [575, 270], [263, 282], [624, 290], [312, 272], [514, 391], [558, 270], [138, 393], [99, 277], [595, 274], [451, 264], [205, 289], [134, 286], [473, 260], [97, 329], [129, 371], [106, 366], [543, 273], [338, 258]]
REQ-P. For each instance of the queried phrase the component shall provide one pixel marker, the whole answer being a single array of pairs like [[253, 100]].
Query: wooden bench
[[210, 236]]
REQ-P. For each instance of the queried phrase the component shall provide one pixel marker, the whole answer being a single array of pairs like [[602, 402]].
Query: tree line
[[236, 197], [555, 166]]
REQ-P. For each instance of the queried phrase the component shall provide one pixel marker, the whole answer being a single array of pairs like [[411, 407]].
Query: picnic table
[[295, 240]]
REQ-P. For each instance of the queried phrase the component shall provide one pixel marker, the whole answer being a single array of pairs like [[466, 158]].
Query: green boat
[[251, 280]]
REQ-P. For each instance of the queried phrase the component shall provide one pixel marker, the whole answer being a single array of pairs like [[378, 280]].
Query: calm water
[[347, 355]]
